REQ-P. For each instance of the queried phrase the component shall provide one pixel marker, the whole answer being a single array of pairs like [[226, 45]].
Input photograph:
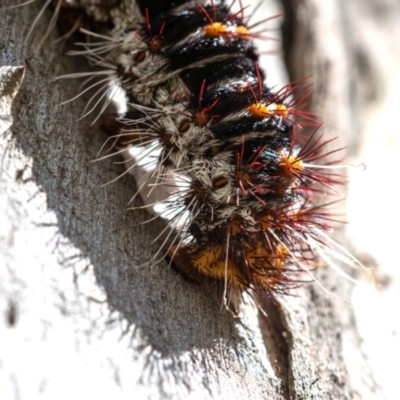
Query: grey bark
[[84, 317]]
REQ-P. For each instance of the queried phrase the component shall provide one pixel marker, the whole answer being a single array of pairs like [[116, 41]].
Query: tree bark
[[84, 316]]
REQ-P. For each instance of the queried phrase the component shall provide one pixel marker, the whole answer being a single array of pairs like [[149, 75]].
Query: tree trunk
[[84, 316]]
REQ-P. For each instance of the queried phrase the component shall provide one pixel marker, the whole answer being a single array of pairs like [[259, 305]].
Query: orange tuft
[[242, 31], [259, 110], [290, 164], [281, 110], [215, 29]]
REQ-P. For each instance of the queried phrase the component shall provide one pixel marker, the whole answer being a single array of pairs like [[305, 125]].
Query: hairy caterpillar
[[315, 327], [246, 185]]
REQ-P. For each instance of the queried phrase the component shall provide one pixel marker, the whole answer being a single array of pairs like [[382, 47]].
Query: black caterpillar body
[[244, 208]]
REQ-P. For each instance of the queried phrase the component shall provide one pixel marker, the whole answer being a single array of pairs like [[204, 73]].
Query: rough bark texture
[[83, 317]]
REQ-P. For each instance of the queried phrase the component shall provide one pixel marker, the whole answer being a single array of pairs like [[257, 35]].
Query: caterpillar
[[243, 186]]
